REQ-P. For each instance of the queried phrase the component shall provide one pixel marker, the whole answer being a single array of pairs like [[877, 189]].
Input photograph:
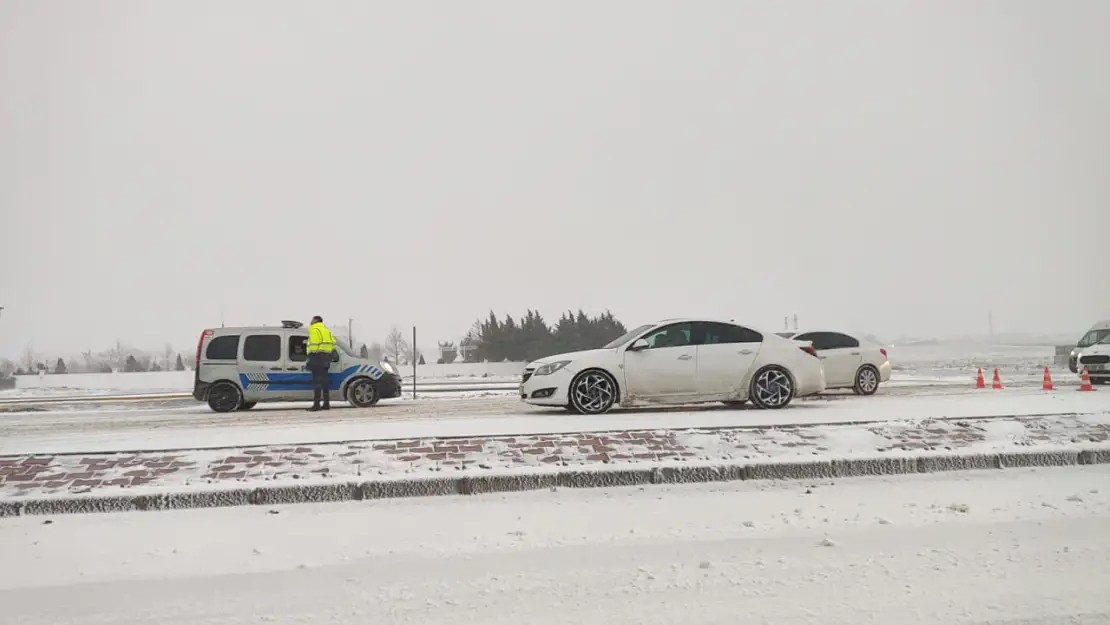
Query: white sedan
[[848, 361], [677, 361]]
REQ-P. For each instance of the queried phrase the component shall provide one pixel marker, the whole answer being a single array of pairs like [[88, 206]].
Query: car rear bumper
[[809, 378]]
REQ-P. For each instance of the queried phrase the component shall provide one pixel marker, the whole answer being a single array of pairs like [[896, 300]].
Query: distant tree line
[[117, 358], [530, 337]]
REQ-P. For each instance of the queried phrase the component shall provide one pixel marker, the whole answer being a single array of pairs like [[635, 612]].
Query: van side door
[[297, 377], [261, 364]]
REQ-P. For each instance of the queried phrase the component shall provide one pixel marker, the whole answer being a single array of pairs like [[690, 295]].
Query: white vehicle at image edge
[[677, 361], [1093, 344], [1095, 358], [848, 362]]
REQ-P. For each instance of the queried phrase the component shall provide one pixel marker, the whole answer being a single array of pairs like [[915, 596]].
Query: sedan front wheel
[[593, 392]]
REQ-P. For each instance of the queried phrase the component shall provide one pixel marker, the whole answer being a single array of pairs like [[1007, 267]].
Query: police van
[[236, 368]]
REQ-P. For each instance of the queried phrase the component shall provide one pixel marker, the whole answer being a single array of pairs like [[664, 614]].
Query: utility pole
[[350, 336], [795, 322], [414, 359]]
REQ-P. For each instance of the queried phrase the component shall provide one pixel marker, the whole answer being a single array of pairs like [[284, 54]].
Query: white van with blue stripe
[[237, 368]]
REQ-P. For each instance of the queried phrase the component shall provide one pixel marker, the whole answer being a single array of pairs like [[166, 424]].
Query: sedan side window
[[843, 341], [821, 340], [674, 335], [716, 333]]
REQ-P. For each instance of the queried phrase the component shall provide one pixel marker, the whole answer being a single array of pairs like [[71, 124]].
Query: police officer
[[321, 345]]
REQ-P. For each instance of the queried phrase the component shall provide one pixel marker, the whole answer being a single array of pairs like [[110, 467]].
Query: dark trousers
[[318, 364]]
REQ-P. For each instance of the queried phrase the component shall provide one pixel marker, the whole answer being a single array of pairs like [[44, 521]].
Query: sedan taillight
[[809, 350]]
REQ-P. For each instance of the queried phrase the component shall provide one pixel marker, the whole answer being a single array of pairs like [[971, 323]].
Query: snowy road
[[194, 426], [1018, 546]]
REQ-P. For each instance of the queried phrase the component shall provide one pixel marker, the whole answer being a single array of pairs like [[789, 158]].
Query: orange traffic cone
[[979, 381], [1047, 386], [996, 383], [1085, 381]]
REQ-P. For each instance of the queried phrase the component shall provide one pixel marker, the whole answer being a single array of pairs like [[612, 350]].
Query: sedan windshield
[[628, 336]]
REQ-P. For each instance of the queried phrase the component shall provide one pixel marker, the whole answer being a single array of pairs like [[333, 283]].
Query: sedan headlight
[[551, 367], [388, 368]]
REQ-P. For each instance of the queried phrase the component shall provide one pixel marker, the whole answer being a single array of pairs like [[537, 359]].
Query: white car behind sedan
[[848, 361], [677, 361]]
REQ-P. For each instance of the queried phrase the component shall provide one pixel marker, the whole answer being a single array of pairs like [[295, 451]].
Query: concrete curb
[[601, 478]]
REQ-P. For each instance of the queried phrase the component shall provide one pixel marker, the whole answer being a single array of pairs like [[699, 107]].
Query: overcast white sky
[[889, 166]]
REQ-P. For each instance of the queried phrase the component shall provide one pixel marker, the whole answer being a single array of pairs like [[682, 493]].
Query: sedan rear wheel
[[867, 381], [772, 388], [593, 392]]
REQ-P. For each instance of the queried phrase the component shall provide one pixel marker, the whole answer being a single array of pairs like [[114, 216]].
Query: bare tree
[[375, 352], [396, 347], [168, 355], [29, 359], [116, 356], [412, 354]]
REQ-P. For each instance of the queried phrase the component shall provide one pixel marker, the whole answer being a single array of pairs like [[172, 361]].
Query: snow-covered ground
[[913, 365], [195, 426], [1016, 546]]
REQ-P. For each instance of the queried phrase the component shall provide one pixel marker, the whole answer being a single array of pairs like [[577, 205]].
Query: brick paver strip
[[103, 474]]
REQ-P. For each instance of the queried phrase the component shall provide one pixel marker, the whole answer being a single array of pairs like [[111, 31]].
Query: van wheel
[[247, 405], [362, 393], [224, 397]]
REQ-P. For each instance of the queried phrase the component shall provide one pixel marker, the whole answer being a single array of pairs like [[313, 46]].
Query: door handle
[[275, 368], [744, 351], [855, 353], [684, 357], [293, 369]]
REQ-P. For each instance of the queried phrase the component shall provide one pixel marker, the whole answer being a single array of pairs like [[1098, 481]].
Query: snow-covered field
[[913, 365], [1025, 547]]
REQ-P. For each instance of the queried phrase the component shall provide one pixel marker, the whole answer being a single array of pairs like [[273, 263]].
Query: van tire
[[224, 397], [362, 393], [247, 405]]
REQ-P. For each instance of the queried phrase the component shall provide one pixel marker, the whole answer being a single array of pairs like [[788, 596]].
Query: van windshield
[[1093, 337]]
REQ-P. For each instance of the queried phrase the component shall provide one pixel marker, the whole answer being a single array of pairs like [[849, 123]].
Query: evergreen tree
[[531, 338], [60, 366], [420, 361], [180, 364], [364, 351], [131, 364]]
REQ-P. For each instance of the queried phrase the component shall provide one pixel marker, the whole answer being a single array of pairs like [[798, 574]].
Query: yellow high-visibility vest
[[320, 339]]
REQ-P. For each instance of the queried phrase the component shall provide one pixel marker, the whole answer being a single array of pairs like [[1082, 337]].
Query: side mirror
[[637, 345]]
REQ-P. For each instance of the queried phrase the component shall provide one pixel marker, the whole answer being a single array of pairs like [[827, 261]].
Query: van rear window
[[223, 348]]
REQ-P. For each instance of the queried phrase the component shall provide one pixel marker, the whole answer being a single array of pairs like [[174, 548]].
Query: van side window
[[223, 348], [262, 348], [297, 345]]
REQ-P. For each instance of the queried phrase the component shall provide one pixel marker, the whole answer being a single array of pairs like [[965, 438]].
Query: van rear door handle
[[684, 357], [744, 351], [275, 368], [293, 369]]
